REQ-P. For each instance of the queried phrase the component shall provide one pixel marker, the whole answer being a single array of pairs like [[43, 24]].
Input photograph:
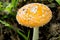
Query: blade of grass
[[5, 24], [14, 2], [28, 35], [58, 1], [21, 34]]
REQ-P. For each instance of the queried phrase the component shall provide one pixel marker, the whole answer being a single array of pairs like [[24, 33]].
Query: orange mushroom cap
[[34, 15]]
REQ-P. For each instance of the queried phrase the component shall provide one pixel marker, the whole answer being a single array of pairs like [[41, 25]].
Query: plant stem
[[35, 33], [28, 35], [21, 34]]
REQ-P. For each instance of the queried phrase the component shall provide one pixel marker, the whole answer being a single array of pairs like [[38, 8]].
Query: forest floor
[[11, 30]]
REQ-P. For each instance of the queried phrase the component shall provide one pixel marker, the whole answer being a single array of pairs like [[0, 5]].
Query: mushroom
[[34, 15]]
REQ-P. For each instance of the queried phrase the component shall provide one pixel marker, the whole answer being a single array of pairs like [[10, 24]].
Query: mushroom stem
[[35, 33]]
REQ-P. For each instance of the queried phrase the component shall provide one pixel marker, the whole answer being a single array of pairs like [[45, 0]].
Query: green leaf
[[5, 24], [21, 34], [1, 6], [9, 8], [14, 2], [12, 5], [28, 35], [58, 1]]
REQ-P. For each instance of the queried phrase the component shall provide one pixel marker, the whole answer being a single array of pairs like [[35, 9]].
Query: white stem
[[35, 34]]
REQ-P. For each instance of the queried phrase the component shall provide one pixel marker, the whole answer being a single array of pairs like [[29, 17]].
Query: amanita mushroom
[[34, 15]]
